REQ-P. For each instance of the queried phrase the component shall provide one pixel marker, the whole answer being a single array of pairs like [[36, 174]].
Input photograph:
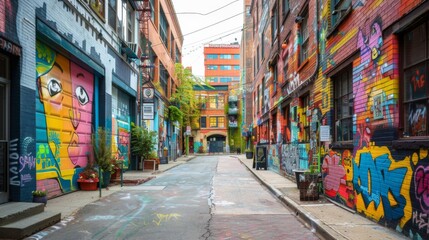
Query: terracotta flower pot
[[86, 185]]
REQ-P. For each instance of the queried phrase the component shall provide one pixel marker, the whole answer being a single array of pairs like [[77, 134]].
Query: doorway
[[4, 129], [216, 143]]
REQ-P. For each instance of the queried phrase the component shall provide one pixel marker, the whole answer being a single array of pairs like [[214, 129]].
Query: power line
[[211, 25], [204, 14]]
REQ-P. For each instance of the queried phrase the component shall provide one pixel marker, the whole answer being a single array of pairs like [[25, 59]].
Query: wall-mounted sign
[[148, 94], [325, 133], [148, 111]]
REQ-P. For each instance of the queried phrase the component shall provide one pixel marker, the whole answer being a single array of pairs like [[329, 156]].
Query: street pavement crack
[[212, 206]]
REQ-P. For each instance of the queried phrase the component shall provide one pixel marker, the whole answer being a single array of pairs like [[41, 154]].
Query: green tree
[[185, 98], [142, 141]]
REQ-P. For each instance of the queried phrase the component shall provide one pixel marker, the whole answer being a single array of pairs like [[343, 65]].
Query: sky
[[205, 22]]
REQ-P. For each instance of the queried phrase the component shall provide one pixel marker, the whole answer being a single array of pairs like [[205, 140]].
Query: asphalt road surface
[[210, 197]]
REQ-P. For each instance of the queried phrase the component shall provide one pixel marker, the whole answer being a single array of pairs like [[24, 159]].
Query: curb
[[310, 221]]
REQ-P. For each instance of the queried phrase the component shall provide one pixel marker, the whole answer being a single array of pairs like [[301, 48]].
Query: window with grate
[[303, 44], [415, 86], [343, 104]]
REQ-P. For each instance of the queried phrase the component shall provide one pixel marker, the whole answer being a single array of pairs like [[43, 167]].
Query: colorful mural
[[63, 120], [121, 126]]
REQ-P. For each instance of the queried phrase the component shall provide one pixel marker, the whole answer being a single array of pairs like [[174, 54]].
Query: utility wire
[[205, 14]]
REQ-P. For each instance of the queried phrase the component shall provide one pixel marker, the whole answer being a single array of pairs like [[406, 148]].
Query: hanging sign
[[148, 111], [148, 94], [324, 133]]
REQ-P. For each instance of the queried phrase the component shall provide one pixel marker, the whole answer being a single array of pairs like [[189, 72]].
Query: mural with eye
[[54, 87], [81, 95]]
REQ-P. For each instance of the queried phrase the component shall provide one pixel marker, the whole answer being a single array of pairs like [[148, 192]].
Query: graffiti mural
[[121, 126], [63, 119], [273, 158], [290, 158]]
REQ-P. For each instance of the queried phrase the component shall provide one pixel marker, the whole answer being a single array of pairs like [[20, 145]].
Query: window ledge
[[342, 145], [411, 143], [303, 64]]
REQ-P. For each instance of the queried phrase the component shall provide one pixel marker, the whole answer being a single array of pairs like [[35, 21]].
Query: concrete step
[[28, 226], [14, 211]]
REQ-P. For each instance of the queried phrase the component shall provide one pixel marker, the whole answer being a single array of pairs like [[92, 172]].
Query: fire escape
[[144, 9]]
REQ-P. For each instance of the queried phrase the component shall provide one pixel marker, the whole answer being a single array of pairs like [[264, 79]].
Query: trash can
[[298, 173]]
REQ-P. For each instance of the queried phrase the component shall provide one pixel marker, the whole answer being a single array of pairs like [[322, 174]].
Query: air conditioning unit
[[131, 49], [134, 50]]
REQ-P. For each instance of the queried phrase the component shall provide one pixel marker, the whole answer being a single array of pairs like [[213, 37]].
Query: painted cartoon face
[[66, 93]]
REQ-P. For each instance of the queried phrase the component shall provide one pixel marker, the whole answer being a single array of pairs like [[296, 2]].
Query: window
[[303, 54], [236, 56], [211, 67], [236, 79], [285, 8], [286, 124], [415, 87], [212, 79], [163, 78], [343, 104], [152, 10], [236, 67], [217, 122], [274, 21], [98, 7], [257, 61], [172, 45], [216, 102], [163, 28], [112, 14], [225, 56], [262, 45], [130, 23], [274, 128], [211, 56], [178, 56], [203, 122], [340, 8], [225, 79], [305, 136], [225, 67], [275, 78]]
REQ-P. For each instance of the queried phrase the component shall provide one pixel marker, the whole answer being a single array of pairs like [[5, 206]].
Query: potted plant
[[117, 167], [39, 196], [142, 142], [249, 153], [103, 154], [309, 184], [88, 179]]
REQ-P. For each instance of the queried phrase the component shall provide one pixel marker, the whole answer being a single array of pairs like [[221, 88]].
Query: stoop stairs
[[22, 219]]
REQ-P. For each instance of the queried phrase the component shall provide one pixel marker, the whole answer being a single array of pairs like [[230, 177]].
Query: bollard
[[122, 172], [99, 181]]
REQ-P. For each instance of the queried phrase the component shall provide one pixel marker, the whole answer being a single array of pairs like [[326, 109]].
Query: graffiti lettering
[[13, 163], [421, 183], [416, 116], [371, 179], [29, 161], [421, 220], [26, 178], [290, 157]]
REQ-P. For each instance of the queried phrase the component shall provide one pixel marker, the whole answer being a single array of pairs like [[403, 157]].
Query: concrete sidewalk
[[70, 203], [331, 221]]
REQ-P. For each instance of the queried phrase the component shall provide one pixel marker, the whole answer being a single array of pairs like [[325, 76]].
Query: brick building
[[67, 68], [218, 128], [340, 85]]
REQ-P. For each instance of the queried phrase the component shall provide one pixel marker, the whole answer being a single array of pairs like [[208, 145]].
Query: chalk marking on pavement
[[164, 217]]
